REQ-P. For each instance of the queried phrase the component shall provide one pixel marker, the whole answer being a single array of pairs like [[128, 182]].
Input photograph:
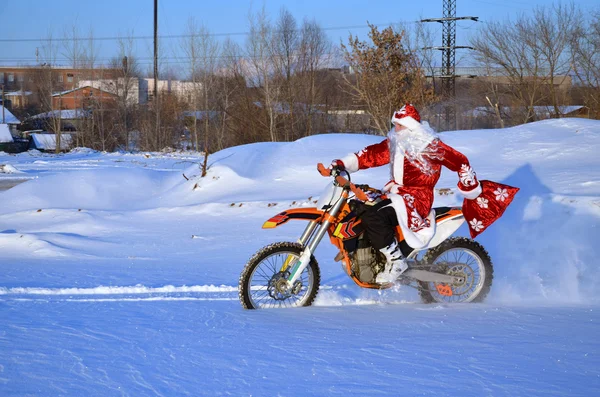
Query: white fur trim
[[418, 239], [471, 194], [350, 162], [398, 170], [409, 122]]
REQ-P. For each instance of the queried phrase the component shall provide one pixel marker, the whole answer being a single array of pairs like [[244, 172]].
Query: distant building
[[47, 142], [81, 98], [541, 112], [20, 98], [141, 90], [184, 90], [5, 135], [70, 119], [134, 89], [15, 78], [6, 117]]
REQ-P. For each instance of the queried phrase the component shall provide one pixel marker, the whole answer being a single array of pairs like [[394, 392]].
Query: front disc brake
[[278, 286]]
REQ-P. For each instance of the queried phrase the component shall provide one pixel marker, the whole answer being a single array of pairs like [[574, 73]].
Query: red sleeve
[[374, 155], [455, 161], [485, 201]]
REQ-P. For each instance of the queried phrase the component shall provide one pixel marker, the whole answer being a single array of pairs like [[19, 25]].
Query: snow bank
[[5, 135], [9, 169], [544, 248], [108, 189]]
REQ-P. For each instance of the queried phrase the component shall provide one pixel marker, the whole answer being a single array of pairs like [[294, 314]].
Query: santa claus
[[416, 156]]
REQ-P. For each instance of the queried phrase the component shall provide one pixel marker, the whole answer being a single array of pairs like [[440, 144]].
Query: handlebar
[[343, 182]]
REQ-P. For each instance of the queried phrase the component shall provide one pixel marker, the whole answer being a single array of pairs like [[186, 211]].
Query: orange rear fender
[[303, 214]]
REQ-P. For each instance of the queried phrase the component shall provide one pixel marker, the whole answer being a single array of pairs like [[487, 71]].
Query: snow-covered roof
[[548, 110], [539, 110], [9, 118], [63, 114], [66, 92], [18, 93], [77, 89], [48, 141], [5, 135]]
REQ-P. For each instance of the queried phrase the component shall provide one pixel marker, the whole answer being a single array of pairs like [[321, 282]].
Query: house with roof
[[20, 98], [82, 98], [70, 119], [10, 144], [47, 142], [540, 112], [5, 135], [6, 117]]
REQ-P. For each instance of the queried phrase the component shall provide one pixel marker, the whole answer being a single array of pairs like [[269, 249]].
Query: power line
[[175, 57], [179, 36]]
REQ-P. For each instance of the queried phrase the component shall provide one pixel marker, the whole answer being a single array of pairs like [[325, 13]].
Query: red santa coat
[[415, 169]]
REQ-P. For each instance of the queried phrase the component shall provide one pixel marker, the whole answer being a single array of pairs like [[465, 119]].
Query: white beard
[[415, 145]]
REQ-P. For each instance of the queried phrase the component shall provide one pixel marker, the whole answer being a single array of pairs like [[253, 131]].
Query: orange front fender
[[306, 214]]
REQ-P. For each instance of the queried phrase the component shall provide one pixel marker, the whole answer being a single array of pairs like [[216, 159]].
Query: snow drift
[[120, 271]]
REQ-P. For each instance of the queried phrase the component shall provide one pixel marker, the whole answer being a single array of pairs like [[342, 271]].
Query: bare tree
[[314, 49], [89, 55], [586, 61], [46, 82], [227, 84], [420, 42], [554, 28], [509, 52], [529, 60], [259, 53], [387, 75], [209, 50], [285, 57], [74, 52], [125, 84], [190, 46]]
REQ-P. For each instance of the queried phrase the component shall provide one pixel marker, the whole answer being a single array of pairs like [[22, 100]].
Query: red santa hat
[[407, 116]]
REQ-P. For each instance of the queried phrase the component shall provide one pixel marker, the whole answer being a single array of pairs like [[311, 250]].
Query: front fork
[[312, 243]]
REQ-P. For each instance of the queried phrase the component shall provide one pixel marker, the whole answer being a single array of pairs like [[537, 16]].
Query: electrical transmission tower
[[448, 48]]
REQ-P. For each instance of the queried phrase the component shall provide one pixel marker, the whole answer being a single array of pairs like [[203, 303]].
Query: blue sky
[[109, 18]]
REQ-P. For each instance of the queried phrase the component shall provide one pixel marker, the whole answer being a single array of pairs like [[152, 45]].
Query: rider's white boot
[[395, 266]]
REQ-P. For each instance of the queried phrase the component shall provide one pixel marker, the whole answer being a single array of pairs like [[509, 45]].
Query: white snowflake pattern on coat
[[416, 222], [467, 175], [501, 194], [409, 199], [482, 202], [476, 225]]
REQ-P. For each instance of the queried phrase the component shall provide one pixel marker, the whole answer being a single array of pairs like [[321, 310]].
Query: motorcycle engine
[[366, 261]]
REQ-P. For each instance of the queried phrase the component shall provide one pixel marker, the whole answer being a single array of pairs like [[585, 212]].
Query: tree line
[[288, 81]]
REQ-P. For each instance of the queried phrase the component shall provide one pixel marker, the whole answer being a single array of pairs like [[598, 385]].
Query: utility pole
[[156, 105], [3, 118], [448, 48]]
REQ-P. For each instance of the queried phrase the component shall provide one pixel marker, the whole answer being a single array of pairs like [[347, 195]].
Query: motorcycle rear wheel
[[258, 286], [462, 257]]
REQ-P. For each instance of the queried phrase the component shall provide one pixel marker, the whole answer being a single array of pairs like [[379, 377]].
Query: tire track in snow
[[134, 293]]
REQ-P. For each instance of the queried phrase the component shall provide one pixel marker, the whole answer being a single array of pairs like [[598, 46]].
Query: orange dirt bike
[[286, 274]]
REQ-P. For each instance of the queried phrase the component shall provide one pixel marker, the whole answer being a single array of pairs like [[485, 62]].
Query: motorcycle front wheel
[[463, 257], [263, 282]]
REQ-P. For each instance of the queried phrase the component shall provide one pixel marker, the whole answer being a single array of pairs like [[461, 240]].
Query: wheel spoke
[[263, 290], [464, 263]]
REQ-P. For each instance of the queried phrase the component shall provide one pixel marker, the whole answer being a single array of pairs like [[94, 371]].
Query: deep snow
[[120, 277]]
